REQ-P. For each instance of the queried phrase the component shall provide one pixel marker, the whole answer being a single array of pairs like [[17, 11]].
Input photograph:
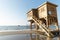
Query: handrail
[[42, 26]]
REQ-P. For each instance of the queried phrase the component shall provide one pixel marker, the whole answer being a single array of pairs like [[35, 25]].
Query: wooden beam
[[31, 30]]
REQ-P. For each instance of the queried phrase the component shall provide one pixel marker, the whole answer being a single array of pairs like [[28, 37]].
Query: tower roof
[[31, 10], [47, 3]]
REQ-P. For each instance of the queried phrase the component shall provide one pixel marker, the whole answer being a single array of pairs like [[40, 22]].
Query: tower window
[[49, 12]]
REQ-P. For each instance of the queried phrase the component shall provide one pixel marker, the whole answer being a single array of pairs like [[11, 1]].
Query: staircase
[[43, 27]]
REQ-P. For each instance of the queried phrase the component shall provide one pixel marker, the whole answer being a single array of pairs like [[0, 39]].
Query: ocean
[[14, 37], [22, 36]]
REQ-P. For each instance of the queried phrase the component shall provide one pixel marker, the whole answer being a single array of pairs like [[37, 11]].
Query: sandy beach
[[13, 32]]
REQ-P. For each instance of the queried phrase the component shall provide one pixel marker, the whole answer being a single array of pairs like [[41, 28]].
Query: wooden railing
[[42, 26]]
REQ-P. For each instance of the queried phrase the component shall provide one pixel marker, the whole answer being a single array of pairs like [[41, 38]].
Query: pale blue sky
[[13, 12]]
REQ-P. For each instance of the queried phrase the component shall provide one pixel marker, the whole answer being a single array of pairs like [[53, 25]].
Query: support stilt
[[58, 38], [36, 36], [48, 38], [31, 30]]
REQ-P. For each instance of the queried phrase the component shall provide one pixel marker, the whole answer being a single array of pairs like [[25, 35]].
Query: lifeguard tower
[[42, 17]]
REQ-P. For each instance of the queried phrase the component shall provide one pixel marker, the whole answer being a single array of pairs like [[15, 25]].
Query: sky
[[13, 12]]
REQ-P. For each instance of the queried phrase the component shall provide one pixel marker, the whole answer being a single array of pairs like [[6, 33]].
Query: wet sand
[[14, 37], [25, 37], [22, 35], [13, 32]]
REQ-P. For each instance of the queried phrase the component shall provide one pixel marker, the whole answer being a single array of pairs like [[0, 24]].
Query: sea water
[[22, 36]]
